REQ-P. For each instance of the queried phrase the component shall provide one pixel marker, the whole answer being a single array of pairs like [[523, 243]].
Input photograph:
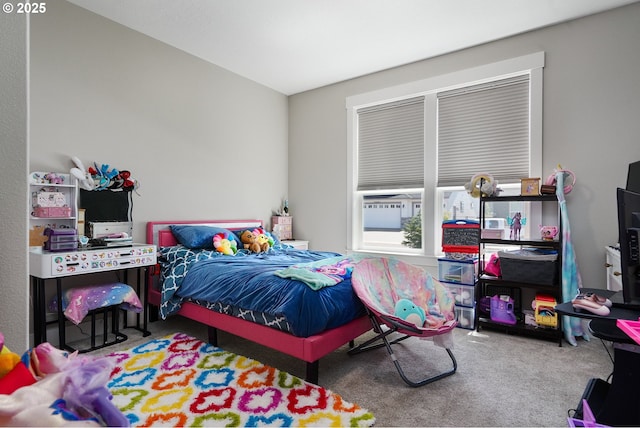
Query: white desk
[[45, 265]]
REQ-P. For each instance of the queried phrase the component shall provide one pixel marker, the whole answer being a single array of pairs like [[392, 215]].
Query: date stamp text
[[22, 8]]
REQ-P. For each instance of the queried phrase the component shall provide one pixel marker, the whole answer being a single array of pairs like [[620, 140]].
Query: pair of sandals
[[593, 303]]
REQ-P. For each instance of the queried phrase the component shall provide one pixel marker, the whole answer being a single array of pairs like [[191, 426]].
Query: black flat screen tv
[[629, 231], [633, 177], [105, 205]]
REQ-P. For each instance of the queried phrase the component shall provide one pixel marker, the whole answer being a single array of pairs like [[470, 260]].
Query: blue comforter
[[248, 282]]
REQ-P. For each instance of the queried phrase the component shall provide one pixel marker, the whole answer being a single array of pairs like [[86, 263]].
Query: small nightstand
[[285, 226], [297, 244]]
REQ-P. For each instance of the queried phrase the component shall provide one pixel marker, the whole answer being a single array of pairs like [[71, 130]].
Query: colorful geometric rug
[[179, 380]]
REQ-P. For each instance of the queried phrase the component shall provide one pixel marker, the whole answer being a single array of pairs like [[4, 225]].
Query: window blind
[[484, 129], [391, 145]]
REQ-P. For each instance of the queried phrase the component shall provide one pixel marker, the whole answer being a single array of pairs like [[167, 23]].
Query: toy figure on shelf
[[547, 233], [516, 222]]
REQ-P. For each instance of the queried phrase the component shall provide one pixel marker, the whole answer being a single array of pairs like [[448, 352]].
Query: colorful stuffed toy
[[85, 181], [224, 245], [250, 241], [102, 177], [13, 372], [264, 240], [8, 359], [407, 310]]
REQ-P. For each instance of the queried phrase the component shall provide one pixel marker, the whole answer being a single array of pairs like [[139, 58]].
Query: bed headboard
[[159, 234]]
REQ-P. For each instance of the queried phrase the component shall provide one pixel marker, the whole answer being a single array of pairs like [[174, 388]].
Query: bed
[[224, 306]]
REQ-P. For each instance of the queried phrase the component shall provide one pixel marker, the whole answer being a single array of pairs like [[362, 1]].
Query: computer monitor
[[106, 205], [633, 177], [629, 231]]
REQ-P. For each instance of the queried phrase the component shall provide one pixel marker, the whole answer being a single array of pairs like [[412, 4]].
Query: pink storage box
[[50, 199], [492, 234], [52, 212]]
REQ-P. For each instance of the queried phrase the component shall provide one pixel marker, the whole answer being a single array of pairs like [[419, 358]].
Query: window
[[413, 147]]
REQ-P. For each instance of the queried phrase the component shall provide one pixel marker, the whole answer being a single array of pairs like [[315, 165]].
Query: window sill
[[429, 262]]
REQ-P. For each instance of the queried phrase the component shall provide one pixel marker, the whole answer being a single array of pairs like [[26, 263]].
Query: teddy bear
[[264, 240], [250, 241]]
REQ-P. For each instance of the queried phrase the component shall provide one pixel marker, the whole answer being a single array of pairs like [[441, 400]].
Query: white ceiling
[[296, 45]]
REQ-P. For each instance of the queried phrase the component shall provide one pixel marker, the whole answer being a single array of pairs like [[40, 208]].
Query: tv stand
[[617, 300], [619, 404], [616, 403]]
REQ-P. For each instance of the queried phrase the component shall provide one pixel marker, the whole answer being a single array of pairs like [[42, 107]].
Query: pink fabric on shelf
[[77, 302]]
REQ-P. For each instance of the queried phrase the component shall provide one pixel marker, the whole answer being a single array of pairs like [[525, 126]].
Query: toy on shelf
[[516, 222], [547, 233], [569, 180], [482, 184], [102, 177], [545, 313], [502, 309]]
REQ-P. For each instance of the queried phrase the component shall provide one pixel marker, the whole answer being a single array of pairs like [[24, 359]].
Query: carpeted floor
[[502, 380]]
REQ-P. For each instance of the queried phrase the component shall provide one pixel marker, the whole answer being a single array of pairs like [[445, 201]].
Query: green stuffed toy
[[407, 310]]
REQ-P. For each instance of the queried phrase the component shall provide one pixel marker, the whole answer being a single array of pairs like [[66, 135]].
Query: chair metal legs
[[382, 340]]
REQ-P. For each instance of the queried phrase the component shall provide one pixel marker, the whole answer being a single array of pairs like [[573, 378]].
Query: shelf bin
[[458, 271], [466, 317], [464, 295], [533, 266]]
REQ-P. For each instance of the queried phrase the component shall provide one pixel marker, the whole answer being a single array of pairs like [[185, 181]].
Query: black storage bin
[[532, 266]]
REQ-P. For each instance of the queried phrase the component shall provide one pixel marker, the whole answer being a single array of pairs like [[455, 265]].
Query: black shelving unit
[[488, 284]]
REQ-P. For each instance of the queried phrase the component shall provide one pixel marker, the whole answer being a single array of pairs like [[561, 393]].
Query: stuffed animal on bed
[[224, 245], [264, 240], [250, 241]]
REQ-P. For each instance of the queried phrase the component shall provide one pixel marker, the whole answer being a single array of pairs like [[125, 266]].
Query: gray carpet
[[502, 380]]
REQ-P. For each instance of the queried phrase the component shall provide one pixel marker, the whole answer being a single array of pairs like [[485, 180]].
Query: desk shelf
[[58, 266], [66, 187]]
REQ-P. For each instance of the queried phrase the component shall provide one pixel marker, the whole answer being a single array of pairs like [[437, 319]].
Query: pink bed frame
[[308, 349]]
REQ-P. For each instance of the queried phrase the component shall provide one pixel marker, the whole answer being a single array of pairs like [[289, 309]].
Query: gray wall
[[14, 289], [590, 125], [203, 142]]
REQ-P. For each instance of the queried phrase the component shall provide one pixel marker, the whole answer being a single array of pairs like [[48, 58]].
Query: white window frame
[[531, 63]]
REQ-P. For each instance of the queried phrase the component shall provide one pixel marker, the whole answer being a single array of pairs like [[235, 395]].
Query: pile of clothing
[[50, 387]]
